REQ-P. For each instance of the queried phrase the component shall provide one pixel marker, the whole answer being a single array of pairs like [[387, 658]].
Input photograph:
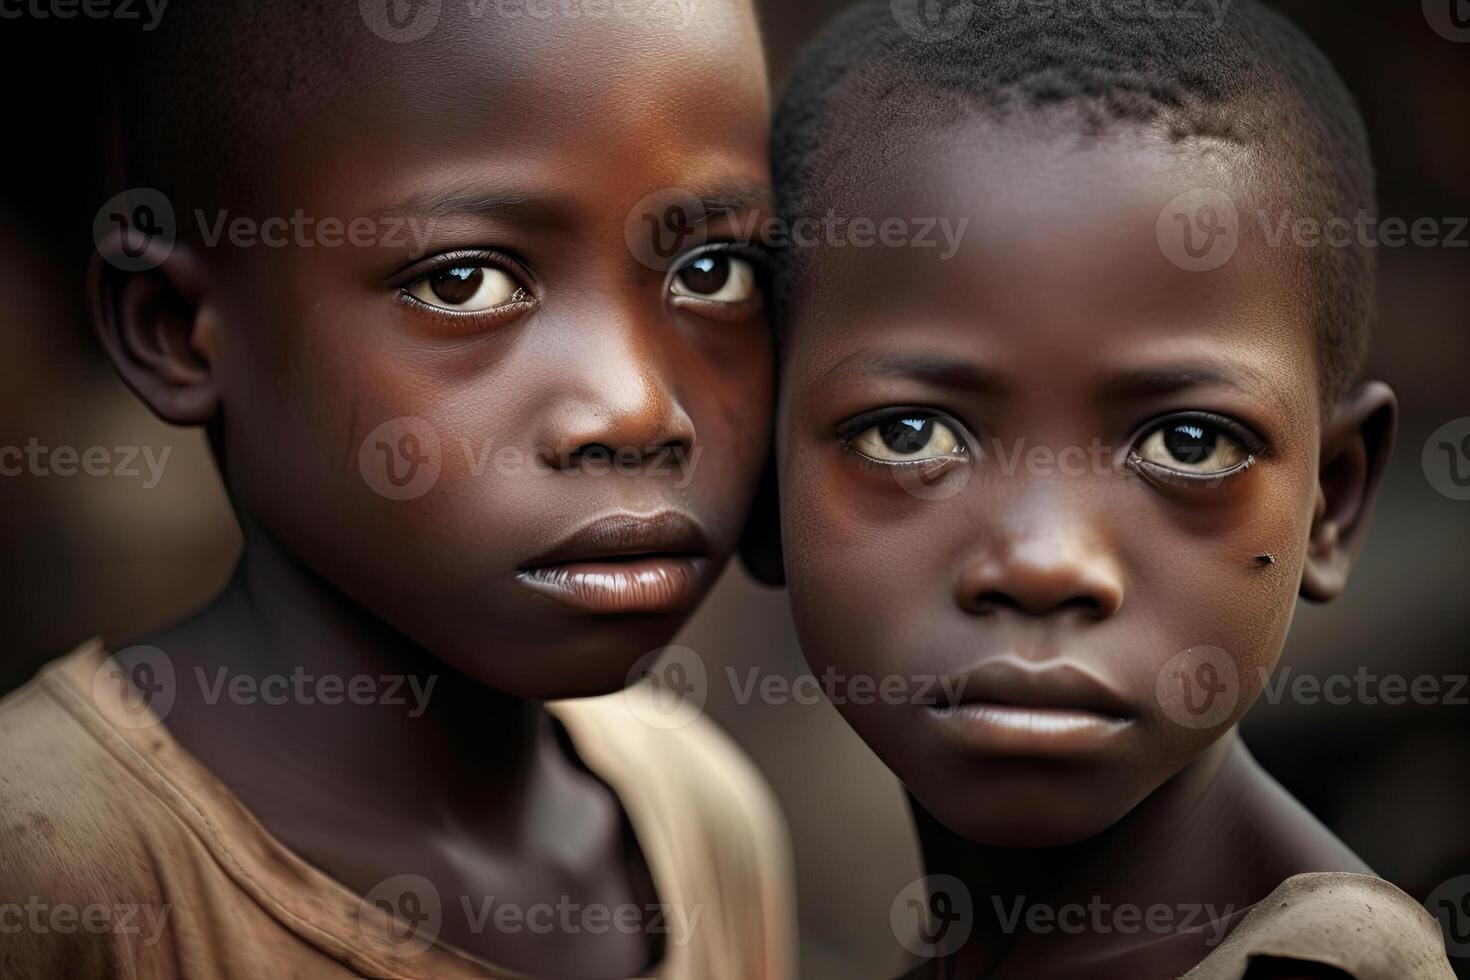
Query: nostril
[[989, 602], [596, 452], [627, 459], [994, 601], [1083, 603]]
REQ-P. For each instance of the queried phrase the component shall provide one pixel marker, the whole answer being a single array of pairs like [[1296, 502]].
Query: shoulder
[[1358, 924], [684, 761], [74, 871], [73, 803], [702, 812]]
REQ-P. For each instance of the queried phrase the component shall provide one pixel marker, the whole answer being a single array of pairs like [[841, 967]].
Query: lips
[[1011, 707], [624, 563]]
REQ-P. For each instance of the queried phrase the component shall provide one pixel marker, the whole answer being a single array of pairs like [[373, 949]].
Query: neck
[[1173, 851], [258, 672]]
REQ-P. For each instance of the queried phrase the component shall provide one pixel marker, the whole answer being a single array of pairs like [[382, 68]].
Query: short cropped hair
[[1250, 79]]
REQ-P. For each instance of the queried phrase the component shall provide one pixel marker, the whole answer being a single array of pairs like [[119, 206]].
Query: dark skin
[[547, 135], [1062, 322]]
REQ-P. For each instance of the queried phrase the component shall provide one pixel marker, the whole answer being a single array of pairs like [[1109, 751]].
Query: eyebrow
[[962, 375], [944, 372], [735, 197], [457, 201], [1155, 382]]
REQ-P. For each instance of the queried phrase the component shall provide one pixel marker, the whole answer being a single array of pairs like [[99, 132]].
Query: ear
[[760, 543], [1356, 442], [144, 298]]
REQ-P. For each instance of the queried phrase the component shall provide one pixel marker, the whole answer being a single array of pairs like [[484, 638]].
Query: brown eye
[[909, 438], [1193, 447], [465, 288], [717, 277]]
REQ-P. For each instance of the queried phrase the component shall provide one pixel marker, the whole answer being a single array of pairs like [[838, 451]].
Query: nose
[[1042, 571], [620, 403]]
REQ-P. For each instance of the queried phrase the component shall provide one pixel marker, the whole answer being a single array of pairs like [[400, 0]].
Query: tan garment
[[122, 856], [1362, 925]]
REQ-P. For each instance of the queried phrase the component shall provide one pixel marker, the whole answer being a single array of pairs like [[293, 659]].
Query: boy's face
[[550, 377], [1043, 470]]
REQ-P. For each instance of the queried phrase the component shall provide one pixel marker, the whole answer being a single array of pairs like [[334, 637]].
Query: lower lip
[[645, 585], [1010, 729]]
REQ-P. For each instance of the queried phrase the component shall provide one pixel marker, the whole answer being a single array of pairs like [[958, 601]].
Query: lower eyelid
[[454, 322], [882, 465], [1159, 471], [716, 310]]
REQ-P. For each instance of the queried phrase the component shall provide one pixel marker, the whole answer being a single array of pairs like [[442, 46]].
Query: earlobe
[[760, 543], [1357, 440], [145, 311]]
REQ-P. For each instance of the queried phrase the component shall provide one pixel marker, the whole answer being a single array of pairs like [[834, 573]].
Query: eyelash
[[759, 259], [523, 300], [1255, 448], [761, 262], [854, 427]]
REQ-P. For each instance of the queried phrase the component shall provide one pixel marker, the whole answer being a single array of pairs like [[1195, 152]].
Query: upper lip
[[625, 535], [1011, 681]]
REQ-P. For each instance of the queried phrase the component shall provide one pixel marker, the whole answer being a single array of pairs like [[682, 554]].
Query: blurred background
[[114, 556]]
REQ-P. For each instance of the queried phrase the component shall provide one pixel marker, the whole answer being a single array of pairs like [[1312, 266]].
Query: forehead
[[1058, 253], [614, 91]]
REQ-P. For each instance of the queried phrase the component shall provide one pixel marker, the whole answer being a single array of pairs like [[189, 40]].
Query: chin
[[565, 656], [1051, 811]]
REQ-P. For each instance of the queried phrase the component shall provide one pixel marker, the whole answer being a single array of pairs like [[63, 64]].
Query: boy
[[462, 447], [1082, 471]]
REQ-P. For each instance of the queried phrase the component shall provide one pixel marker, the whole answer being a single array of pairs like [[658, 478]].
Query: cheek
[[359, 456], [1215, 619], [726, 385], [860, 589]]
